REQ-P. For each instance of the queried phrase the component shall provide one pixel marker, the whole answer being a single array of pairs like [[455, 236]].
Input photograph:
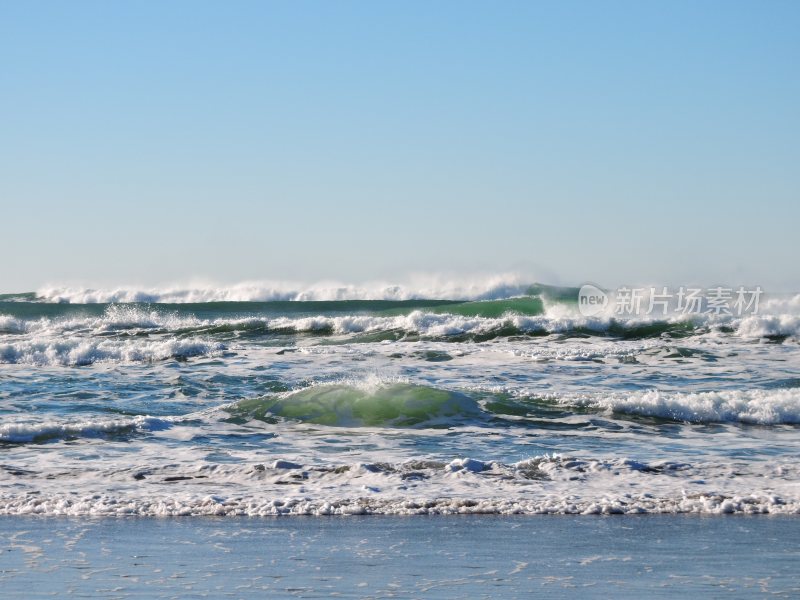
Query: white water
[[421, 287], [132, 410]]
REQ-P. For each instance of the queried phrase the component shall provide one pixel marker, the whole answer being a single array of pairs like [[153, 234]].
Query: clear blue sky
[[149, 142]]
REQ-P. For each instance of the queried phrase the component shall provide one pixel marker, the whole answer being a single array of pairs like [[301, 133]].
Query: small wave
[[468, 319], [26, 432], [445, 324], [82, 352], [477, 320], [548, 309], [367, 404], [121, 317], [761, 407]]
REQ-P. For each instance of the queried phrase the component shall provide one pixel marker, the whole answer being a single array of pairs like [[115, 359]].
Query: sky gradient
[[617, 142]]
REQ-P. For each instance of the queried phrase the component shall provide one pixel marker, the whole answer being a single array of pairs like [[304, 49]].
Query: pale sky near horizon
[[615, 142]]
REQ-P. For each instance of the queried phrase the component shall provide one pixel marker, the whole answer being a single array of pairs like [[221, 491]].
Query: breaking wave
[[376, 402], [27, 432], [760, 407], [371, 404], [474, 320], [495, 287], [76, 352]]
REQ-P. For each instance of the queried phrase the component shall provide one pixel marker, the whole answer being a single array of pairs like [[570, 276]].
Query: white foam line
[[422, 287], [762, 407], [24, 432]]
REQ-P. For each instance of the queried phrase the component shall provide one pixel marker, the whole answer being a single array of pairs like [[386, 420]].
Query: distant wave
[[122, 333], [496, 287]]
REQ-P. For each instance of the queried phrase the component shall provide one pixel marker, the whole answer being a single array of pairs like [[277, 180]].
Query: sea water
[[491, 398]]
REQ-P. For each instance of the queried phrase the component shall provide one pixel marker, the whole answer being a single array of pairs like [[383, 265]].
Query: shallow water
[[482, 403], [392, 557]]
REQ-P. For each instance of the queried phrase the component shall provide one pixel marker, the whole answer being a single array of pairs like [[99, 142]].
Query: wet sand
[[402, 557]]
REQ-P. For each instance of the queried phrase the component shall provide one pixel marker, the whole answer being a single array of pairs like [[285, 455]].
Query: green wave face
[[529, 306], [392, 405]]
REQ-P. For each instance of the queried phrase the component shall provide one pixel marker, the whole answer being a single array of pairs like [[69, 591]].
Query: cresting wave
[[31, 340], [79, 352], [377, 403], [488, 288], [391, 403], [28, 432], [370, 404], [759, 407]]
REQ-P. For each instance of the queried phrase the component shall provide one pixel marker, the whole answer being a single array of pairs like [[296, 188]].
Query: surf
[[349, 405]]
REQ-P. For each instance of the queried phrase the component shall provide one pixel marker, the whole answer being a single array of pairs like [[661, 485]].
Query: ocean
[[491, 398]]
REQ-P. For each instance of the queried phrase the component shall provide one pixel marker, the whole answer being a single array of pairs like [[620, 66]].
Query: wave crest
[[365, 404], [760, 407], [82, 352], [490, 288], [26, 432]]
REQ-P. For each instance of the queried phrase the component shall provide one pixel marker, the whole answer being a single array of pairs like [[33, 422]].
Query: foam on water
[[26, 431], [502, 400], [424, 287], [77, 352], [761, 407], [9, 324], [439, 325], [520, 315], [547, 484]]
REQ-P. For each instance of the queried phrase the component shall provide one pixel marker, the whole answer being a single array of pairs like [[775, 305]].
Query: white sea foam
[[441, 324], [81, 351], [423, 287], [553, 392], [9, 324], [418, 321], [756, 326], [27, 431], [763, 407], [115, 318], [121, 318], [81, 340], [545, 484], [214, 505], [778, 318]]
